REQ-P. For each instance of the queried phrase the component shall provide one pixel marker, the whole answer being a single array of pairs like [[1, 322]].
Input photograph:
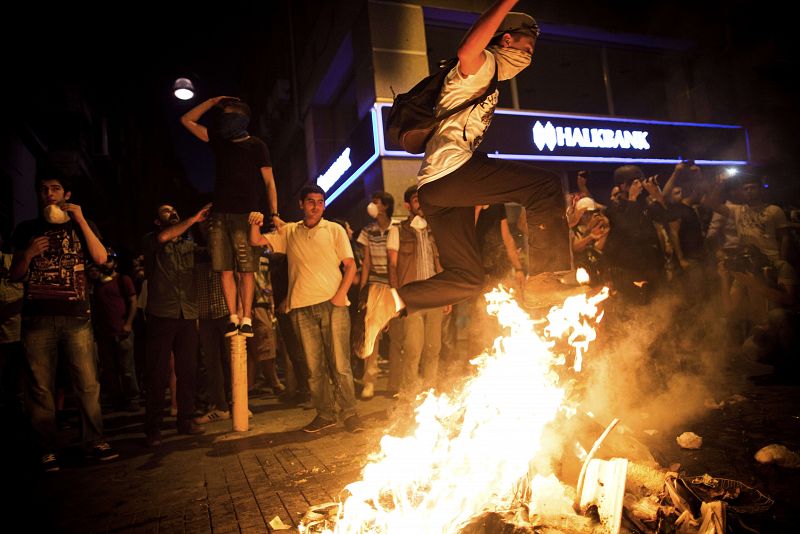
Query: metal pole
[[514, 94], [607, 81]]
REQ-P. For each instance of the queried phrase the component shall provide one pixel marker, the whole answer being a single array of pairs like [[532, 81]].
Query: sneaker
[[245, 330], [318, 424], [353, 424], [212, 417], [380, 309], [545, 290], [102, 451], [368, 392], [49, 463], [231, 329], [190, 428]]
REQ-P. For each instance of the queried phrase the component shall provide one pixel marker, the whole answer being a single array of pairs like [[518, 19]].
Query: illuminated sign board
[[539, 136], [335, 171], [547, 135], [361, 151], [529, 135]]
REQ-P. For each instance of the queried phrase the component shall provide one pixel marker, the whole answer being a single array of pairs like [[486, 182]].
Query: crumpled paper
[[778, 455], [278, 524], [689, 440]]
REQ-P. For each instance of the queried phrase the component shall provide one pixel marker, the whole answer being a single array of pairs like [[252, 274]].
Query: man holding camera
[[633, 249]]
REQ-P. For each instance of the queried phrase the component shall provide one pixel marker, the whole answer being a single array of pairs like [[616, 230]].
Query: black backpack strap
[[473, 101]]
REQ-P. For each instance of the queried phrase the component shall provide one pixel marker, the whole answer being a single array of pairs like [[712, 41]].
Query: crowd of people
[[321, 308]]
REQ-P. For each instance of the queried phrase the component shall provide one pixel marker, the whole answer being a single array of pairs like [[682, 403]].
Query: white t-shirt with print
[[758, 226], [447, 150]]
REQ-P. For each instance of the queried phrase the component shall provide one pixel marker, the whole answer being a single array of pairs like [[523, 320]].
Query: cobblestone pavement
[[226, 482]]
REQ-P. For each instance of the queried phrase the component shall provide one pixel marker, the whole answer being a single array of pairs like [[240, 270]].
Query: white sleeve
[[480, 79], [393, 238], [277, 240], [342, 244]]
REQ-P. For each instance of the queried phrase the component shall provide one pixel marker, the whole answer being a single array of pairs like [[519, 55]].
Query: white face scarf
[[55, 215], [510, 61]]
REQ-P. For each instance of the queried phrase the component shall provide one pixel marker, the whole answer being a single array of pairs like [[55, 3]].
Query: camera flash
[[732, 171]]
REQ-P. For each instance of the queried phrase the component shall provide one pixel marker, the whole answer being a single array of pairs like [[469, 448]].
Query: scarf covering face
[[510, 61], [232, 125]]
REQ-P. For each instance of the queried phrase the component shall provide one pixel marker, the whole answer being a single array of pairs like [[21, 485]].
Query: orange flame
[[471, 452]]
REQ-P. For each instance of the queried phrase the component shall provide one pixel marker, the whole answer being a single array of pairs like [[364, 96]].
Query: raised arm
[[171, 232], [96, 249], [470, 53], [713, 200], [190, 118], [272, 195], [256, 238]]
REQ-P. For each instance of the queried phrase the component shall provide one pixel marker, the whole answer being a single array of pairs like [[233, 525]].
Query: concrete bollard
[[239, 411]]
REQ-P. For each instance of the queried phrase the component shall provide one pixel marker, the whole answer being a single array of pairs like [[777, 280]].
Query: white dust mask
[[510, 61], [372, 210], [55, 215], [419, 223]]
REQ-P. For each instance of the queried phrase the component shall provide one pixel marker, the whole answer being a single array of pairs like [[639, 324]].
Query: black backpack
[[412, 121]]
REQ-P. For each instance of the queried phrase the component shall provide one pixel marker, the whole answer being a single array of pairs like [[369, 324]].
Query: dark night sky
[[126, 55]]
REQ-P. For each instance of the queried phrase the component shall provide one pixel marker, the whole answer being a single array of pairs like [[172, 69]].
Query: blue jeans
[[324, 332], [42, 337]]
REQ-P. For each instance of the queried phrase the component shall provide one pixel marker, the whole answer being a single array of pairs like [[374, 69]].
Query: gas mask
[[55, 215], [231, 126], [510, 61], [372, 210]]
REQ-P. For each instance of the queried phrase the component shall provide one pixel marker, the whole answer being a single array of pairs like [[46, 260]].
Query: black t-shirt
[[633, 242], [56, 280], [690, 233], [238, 186]]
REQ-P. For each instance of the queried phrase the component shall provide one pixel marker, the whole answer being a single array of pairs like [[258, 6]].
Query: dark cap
[[627, 173], [518, 23]]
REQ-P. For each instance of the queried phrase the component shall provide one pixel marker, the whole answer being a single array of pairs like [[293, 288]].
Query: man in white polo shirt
[[317, 303]]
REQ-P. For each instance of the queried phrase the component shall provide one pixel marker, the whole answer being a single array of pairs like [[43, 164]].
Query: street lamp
[[183, 89]]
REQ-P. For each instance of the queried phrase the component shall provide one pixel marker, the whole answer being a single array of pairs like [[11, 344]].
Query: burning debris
[[503, 454]]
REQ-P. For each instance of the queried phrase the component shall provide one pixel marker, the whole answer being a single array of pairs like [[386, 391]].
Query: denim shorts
[[228, 244]]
